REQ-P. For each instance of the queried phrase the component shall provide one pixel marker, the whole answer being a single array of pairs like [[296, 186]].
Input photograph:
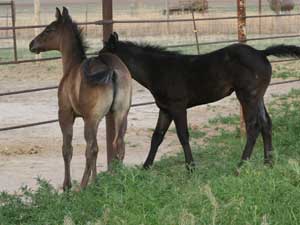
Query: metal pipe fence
[[56, 120], [169, 46], [105, 22]]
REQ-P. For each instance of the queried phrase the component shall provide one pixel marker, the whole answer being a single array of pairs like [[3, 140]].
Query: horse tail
[[122, 89], [121, 80], [282, 51], [96, 72]]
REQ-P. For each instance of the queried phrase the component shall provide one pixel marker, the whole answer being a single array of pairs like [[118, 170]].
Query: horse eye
[[49, 30]]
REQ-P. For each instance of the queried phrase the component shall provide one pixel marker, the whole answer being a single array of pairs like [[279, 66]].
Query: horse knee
[[158, 134], [67, 152], [92, 150], [121, 149], [253, 125], [184, 137], [268, 124], [264, 118]]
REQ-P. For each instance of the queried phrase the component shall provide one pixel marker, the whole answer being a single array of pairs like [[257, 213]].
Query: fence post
[[13, 19], [241, 14], [259, 13], [7, 16], [37, 20], [167, 15], [107, 14], [195, 32], [86, 19]]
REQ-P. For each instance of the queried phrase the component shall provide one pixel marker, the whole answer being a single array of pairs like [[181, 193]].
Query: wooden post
[[241, 21], [86, 19], [241, 14], [7, 16], [259, 13], [13, 19], [37, 21], [107, 13]]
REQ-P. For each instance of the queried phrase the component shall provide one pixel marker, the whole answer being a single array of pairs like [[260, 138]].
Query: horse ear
[[58, 14], [115, 34], [112, 41], [65, 12]]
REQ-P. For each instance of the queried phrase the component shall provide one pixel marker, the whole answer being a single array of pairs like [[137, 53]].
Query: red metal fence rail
[[56, 120]]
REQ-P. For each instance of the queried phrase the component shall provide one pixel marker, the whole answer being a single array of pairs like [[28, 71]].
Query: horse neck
[[135, 63], [71, 54]]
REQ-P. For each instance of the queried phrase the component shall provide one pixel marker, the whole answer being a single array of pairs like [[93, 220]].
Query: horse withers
[[179, 82], [90, 88]]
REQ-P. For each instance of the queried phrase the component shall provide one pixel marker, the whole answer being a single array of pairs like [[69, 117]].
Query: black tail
[[283, 51]]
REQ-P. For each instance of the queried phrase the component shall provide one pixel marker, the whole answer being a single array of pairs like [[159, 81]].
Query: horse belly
[[210, 94]]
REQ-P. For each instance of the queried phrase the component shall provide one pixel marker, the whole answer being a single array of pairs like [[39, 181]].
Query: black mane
[[149, 48], [79, 37]]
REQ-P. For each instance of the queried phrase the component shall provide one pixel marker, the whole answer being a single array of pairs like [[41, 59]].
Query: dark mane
[[151, 48], [79, 37]]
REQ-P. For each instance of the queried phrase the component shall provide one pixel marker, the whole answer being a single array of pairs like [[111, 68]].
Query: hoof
[[237, 172], [67, 187], [269, 162], [191, 167], [146, 166]]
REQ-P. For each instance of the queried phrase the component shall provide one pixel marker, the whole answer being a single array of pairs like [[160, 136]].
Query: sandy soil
[[28, 153]]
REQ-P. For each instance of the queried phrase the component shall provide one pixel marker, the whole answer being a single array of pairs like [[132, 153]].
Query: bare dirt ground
[[28, 153]]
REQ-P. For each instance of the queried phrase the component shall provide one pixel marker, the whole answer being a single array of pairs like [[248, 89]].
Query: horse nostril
[[31, 45]]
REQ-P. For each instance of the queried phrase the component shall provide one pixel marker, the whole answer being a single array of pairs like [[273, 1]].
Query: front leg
[[163, 123], [66, 121]]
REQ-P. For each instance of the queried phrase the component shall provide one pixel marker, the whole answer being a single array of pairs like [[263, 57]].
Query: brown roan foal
[[90, 88]]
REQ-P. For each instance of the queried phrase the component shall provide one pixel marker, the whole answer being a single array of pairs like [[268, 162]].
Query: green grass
[[168, 194], [232, 119]]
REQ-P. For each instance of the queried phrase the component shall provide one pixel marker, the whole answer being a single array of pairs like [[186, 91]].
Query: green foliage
[[168, 194]]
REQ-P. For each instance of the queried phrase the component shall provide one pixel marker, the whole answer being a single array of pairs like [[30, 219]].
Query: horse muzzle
[[34, 48]]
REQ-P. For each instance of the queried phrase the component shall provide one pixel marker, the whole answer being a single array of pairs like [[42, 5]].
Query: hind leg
[[120, 124], [90, 135], [266, 132], [180, 120], [250, 112], [121, 140]]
